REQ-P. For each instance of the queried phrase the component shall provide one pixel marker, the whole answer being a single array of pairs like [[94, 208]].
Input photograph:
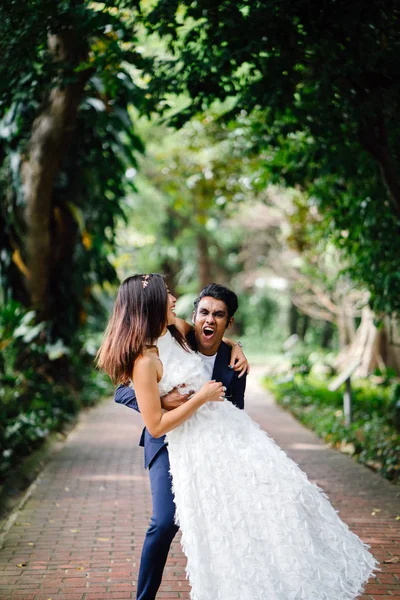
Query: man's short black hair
[[219, 292]]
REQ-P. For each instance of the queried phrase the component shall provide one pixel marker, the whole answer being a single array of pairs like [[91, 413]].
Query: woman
[[253, 526]]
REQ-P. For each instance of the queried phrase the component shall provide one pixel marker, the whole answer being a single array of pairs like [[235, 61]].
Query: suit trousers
[[161, 531]]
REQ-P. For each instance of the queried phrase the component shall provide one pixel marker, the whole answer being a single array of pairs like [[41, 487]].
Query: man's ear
[[230, 322], [193, 317]]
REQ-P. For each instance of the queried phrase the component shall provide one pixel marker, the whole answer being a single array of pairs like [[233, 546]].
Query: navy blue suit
[[162, 528]]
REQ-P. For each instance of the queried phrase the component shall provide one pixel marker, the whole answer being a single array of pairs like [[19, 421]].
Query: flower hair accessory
[[145, 281]]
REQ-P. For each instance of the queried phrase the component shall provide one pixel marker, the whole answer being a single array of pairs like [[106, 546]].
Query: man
[[214, 309]]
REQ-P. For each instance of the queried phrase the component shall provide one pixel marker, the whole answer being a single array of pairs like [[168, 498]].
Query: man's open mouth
[[208, 332]]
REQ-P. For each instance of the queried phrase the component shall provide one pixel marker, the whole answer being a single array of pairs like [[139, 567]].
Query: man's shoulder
[[224, 349]]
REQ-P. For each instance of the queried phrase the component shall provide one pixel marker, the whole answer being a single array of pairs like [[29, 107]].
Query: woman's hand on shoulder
[[239, 361]]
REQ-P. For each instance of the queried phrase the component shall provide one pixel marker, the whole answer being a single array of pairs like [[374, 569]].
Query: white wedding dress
[[253, 526]]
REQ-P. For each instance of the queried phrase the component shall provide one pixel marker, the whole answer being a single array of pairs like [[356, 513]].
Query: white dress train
[[253, 526]]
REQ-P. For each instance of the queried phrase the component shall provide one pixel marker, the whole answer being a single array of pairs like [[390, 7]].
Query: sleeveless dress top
[[253, 526]]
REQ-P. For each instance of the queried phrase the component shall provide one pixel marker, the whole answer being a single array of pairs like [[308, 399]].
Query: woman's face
[[171, 316]]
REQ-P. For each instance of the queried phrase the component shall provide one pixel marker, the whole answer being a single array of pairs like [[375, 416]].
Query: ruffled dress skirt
[[253, 526]]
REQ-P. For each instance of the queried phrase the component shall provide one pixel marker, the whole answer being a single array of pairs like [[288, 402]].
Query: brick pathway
[[79, 535]]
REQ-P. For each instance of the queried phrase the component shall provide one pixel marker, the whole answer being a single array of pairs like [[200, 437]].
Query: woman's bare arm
[[148, 397], [183, 326]]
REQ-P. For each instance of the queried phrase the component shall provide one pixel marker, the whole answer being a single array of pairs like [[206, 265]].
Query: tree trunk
[[205, 275], [343, 342], [350, 326], [293, 319], [346, 325], [51, 133], [374, 138], [365, 347], [169, 269], [327, 334], [390, 343], [303, 325], [389, 171]]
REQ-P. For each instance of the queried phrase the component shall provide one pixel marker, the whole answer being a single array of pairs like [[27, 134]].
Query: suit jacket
[[235, 389]]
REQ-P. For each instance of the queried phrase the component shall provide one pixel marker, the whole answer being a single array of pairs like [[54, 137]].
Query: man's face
[[210, 321]]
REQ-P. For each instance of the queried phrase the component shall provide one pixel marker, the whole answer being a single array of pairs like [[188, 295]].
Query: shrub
[[371, 437], [42, 385]]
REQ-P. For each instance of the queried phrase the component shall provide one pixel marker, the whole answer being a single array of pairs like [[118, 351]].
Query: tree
[[66, 142], [285, 242], [324, 107], [189, 183]]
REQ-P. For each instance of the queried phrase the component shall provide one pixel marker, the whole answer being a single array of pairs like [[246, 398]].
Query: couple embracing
[[253, 526]]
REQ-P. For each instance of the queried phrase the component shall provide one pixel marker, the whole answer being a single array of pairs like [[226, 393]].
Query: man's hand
[[174, 399], [238, 360]]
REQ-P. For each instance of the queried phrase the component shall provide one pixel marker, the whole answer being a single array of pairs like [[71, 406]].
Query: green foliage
[[353, 212], [91, 185], [46, 373], [103, 37], [321, 110], [257, 312], [301, 363], [371, 437], [41, 385], [190, 184]]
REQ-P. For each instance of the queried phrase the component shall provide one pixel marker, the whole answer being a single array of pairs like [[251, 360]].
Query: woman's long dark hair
[[138, 319]]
